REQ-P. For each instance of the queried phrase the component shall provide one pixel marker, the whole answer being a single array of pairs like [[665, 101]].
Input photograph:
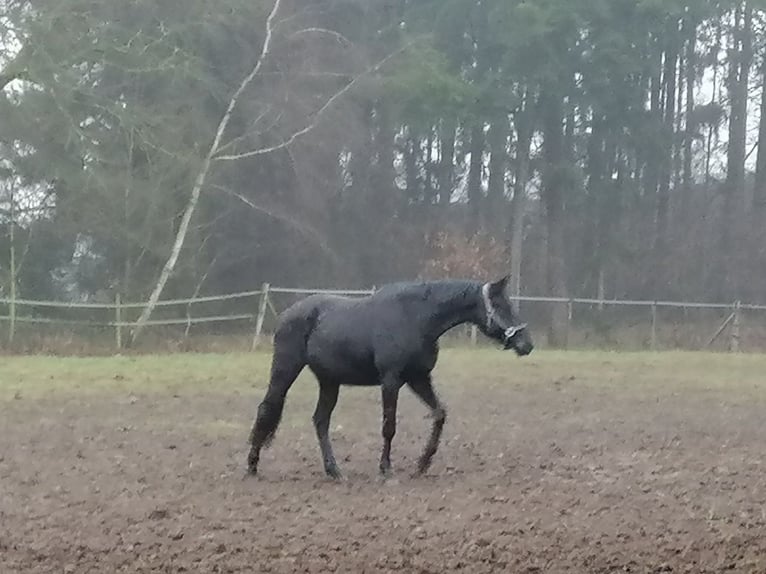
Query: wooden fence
[[262, 306]]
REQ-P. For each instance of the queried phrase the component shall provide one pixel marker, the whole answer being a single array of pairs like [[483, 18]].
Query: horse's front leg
[[390, 386], [423, 388]]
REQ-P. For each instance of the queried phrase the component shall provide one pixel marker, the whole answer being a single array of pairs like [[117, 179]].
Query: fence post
[[734, 344], [474, 335], [653, 342], [12, 310], [263, 305], [118, 321], [12, 304], [570, 309], [12, 315]]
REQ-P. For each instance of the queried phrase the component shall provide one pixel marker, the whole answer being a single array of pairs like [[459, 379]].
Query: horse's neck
[[453, 309]]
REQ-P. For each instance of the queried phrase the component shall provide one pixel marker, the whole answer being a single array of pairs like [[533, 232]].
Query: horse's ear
[[498, 287]]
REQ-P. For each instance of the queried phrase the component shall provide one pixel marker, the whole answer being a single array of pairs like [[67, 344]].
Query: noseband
[[492, 316]]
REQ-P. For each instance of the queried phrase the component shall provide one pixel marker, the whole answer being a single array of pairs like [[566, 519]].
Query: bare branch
[[319, 113], [292, 75], [307, 10], [251, 131], [304, 229], [199, 182], [198, 288], [27, 245], [322, 31]]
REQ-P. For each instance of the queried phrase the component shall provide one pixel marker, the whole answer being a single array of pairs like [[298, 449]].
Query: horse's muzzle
[[520, 342], [524, 349]]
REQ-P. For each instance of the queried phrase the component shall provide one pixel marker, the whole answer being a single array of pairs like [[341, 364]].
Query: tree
[[178, 151]]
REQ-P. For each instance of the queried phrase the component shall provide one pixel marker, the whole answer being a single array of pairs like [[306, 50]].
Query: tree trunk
[[609, 210], [668, 128], [759, 194], [429, 191], [595, 192], [691, 78], [678, 115], [523, 144], [495, 215], [447, 162], [411, 171], [740, 59], [554, 180], [12, 271], [714, 94], [653, 158], [384, 192], [475, 172]]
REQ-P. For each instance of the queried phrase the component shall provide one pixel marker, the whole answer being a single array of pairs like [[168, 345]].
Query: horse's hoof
[[249, 475], [251, 466], [423, 467], [335, 475]]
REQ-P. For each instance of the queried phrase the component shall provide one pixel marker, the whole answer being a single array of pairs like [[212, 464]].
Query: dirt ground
[[562, 463]]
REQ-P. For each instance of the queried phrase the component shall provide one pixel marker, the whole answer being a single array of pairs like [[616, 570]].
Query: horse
[[388, 339]]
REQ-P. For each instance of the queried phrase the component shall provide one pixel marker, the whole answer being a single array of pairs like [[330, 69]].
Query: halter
[[508, 333]]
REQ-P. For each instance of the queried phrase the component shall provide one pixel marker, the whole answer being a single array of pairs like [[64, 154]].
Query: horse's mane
[[439, 290]]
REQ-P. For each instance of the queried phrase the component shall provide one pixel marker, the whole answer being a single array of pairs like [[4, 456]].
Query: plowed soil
[[581, 463]]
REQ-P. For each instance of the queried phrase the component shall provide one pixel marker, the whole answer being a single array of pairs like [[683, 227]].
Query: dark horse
[[388, 339]]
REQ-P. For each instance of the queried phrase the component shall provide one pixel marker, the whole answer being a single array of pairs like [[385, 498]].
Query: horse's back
[[311, 307]]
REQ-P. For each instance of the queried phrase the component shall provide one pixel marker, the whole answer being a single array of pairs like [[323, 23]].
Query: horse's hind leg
[[423, 388], [390, 386], [328, 398], [285, 368]]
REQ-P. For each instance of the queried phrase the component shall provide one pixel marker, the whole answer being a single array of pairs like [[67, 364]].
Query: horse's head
[[501, 322]]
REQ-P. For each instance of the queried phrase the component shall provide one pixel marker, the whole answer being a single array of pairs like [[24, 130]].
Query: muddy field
[[557, 463]]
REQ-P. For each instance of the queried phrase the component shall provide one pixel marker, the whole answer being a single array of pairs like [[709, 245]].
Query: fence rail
[[264, 304], [162, 303], [364, 292]]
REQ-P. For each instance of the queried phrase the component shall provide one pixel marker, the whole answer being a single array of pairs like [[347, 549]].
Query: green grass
[[38, 377]]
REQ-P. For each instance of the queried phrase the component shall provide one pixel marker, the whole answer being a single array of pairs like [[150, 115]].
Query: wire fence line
[[259, 306]]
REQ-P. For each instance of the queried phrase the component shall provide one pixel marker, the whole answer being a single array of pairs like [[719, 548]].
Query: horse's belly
[[361, 382], [342, 362], [344, 374]]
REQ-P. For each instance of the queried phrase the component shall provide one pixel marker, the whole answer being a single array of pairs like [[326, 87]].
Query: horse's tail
[[289, 359]]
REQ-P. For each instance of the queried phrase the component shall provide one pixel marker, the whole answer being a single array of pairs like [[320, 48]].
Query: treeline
[[591, 147]]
